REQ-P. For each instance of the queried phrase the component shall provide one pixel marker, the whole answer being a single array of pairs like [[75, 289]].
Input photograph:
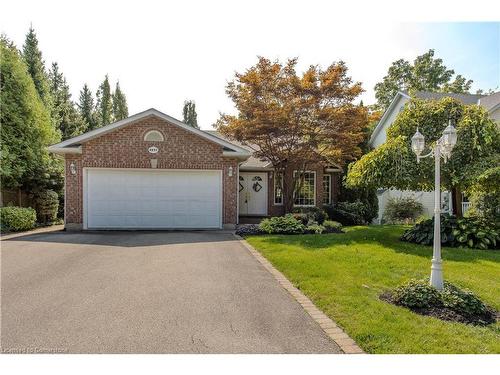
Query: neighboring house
[[151, 171], [490, 102]]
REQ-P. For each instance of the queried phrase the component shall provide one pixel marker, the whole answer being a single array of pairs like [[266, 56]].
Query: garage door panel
[[153, 199]]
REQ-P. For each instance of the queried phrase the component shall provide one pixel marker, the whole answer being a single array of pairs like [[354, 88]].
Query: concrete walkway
[[147, 292]]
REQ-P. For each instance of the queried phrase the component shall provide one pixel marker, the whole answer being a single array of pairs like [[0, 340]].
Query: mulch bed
[[447, 314]]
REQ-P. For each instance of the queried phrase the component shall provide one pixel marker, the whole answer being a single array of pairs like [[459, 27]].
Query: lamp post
[[442, 149]]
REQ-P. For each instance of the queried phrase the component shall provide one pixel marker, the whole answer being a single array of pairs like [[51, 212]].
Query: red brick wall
[[126, 148], [276, 210]]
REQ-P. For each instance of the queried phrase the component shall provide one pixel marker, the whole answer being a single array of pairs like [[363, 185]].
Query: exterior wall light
[[72, 168]]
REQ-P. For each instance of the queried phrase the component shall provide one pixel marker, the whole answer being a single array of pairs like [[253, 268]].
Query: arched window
[[153, 136]]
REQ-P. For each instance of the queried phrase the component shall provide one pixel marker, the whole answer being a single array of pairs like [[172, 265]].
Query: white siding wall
[[382, 134], [424, 197]]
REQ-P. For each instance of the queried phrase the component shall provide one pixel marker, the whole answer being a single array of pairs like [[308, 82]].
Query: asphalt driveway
[[146, 292]]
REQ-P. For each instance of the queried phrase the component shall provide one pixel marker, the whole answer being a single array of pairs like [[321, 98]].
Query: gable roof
[[252, 161], [73, 145], [380, 125], [463, 98], [490, 102]]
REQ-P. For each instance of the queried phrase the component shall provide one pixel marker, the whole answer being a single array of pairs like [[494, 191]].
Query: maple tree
[[296, 121]]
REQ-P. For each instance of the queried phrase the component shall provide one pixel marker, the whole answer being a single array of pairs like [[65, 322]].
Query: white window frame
[[156, 132], [314, 191], [274, 189], [329, 196]]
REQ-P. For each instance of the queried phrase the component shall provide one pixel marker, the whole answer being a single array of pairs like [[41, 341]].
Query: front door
[[253, 193]]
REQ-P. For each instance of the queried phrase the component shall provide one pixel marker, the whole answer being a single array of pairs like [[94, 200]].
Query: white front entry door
[[253, 193], [152, 199]]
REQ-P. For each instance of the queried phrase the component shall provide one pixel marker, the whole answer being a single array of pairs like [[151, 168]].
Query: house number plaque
[[153, 150]]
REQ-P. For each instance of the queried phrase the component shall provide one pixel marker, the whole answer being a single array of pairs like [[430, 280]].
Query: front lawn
[[344, 274]]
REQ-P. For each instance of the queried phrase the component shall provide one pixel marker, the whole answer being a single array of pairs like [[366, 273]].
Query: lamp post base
[[437, 274]]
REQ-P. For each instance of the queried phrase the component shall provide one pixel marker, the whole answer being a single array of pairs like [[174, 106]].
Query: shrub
[[463, 302], [47, 203], [314, 229], [332, 226], [366, 196], [282, 225], [303, 218], [248, 230], [476, 233], [471, 231], [313, 214], [416, 294], [451, 303], [402, 210], [17, 218], [341, 214]]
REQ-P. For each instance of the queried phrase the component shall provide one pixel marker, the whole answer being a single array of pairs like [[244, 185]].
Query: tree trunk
[[456, 197]]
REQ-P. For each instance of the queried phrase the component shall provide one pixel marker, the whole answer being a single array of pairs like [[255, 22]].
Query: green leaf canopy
[[394, 165]]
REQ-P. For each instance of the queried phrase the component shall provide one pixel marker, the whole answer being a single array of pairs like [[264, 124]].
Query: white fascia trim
[[389, 109], [150, 112], [237, 155], [65, 150]]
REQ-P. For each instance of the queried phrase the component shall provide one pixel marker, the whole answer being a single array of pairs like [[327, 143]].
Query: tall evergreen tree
[[87, 109], [26, 128], [32, 56], [65, 115], [120, 108], [104, 107], [189, 114]]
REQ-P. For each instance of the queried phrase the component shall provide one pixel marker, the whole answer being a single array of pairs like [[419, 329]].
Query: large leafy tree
[[32, 56], [189, 114], [120, 108], [26, 128], [426, 73], [296, 121], [394, 165], [104, 107], [86, 108], [66, 117]]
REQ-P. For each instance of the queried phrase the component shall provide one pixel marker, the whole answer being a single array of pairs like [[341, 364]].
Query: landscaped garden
[[345, 274]]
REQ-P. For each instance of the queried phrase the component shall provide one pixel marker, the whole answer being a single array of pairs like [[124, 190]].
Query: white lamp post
[[443, 149]]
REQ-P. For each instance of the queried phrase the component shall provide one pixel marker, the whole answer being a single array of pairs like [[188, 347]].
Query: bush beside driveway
[[344, 274]]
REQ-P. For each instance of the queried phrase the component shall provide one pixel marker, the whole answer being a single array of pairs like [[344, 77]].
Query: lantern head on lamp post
[[418, 144]]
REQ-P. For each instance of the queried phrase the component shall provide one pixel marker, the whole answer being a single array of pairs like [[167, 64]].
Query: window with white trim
[[305, 193], [153, 136], [278, 189], [327, 189]]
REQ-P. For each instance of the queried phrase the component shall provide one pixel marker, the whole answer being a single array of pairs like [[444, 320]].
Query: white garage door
[[135, 199]]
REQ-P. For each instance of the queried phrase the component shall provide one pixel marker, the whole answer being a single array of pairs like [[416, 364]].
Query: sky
[[166, 52]]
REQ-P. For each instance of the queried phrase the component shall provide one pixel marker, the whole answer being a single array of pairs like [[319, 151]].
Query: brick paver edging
[[342, 339]]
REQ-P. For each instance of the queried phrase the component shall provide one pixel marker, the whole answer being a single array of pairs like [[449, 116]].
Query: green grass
[[344, 274]]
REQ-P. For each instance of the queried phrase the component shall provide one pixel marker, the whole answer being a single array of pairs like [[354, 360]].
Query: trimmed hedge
[[17, 218]]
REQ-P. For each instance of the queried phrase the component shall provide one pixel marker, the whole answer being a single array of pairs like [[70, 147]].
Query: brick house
[[151, 171]]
